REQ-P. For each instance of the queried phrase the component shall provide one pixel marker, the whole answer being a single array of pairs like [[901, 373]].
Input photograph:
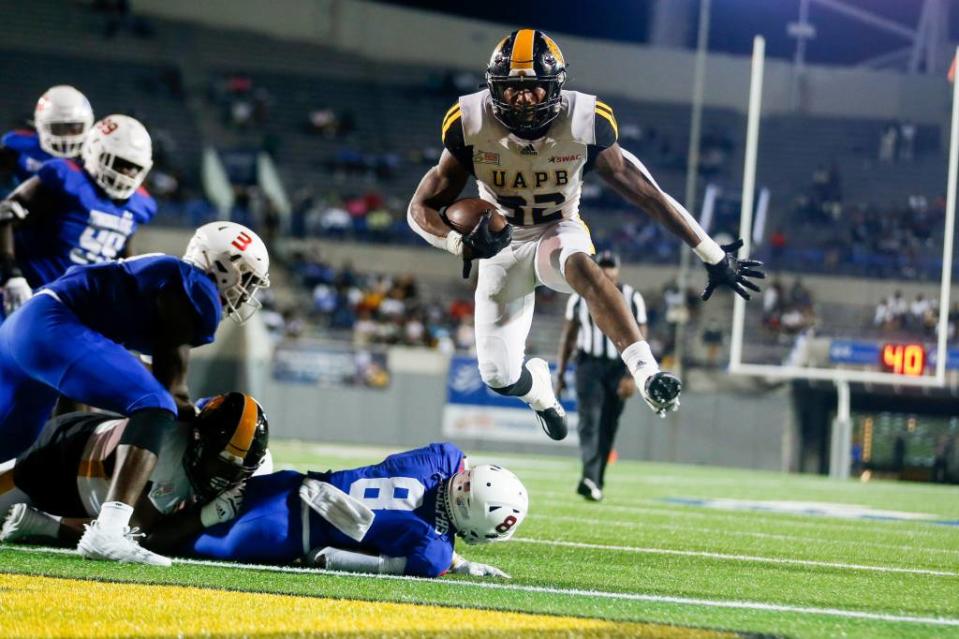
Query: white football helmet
[[118, 154], [237, 259], [63, 116], [486, 503]]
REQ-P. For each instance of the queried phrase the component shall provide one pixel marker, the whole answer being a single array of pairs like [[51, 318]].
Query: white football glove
[[223, 507], [476, 569], [16, 292]]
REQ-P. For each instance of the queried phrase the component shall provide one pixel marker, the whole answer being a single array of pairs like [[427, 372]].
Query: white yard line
[[859, 526], [572, 592], [732, 557], [738, 533]]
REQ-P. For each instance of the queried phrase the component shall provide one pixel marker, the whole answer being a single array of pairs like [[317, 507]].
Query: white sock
[[540, 395], [640, 362], [114, 516]]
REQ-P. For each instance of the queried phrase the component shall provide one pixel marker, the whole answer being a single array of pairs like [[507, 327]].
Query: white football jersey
[[169, 485], [531, 182]]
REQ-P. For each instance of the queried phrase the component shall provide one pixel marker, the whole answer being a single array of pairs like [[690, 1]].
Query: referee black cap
[[607, 259]]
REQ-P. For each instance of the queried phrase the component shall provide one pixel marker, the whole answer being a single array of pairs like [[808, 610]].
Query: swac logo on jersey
[[558, 159]]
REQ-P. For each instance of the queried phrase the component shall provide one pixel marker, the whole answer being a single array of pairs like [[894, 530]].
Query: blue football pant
[[268, 529], [46, 351]]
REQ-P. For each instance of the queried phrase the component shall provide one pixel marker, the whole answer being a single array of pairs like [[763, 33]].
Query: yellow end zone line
[[564, 592], [111, 609]]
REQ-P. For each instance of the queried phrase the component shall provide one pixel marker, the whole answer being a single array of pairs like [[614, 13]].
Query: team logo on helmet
[[118, 154], [237, 260]]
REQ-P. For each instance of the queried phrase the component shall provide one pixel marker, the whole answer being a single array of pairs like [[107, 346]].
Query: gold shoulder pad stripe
[[611, 118], [455, 107], [448, 123], [602, 105]]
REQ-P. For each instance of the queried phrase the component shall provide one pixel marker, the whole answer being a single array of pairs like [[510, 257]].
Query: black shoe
[[553, 421], [662, 392], [588, 489]]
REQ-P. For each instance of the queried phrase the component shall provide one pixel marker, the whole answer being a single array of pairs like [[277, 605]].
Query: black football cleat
[[661, 392], [588, 489], [553, 421]]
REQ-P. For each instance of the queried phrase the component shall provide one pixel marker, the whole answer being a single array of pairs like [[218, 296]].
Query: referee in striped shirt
[[603, 384]]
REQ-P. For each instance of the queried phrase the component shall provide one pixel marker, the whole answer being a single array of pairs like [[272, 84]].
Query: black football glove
[[483, 244], [732, 272]]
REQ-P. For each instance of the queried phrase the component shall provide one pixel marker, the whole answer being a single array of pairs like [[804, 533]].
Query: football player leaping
[[528, 142]]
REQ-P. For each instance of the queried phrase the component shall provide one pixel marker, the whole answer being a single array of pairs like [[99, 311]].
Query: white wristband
[[454, 243], [709, 252]]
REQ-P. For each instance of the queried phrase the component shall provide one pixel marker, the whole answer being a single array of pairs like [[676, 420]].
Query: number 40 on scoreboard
[[903, 359]]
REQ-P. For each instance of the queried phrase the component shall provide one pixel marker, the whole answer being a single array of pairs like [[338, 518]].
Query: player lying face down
[[58, 485], [400, 516]]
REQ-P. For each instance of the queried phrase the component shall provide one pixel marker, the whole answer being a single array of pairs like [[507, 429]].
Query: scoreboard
[[903, 359]]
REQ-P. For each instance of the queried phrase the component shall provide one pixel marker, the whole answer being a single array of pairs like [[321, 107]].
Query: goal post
[[842, 377]]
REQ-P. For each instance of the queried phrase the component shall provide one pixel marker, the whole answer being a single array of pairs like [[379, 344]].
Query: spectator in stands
[[882, 318], [772, 304], [897, 308], [777, 245], [907, 141], [325, 122], [799, 295], [917, 311], [888, 140]]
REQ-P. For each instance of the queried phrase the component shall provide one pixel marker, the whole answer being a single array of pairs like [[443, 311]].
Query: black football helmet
[[229, 441], [526, 59]]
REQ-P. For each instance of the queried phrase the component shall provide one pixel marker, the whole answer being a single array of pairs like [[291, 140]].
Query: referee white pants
[[505, 293]]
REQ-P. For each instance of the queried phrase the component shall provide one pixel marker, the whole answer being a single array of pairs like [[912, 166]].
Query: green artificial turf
[[638, 544]]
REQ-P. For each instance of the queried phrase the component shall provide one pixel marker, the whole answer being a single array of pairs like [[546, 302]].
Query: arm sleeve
[[697, 229], [349, 561], [454, 140], [571, 307]]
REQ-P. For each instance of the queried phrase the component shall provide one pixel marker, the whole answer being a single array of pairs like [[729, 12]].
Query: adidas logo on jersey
[[529, 149]]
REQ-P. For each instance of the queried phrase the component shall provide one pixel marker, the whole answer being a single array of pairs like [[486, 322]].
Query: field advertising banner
[[473, 411], [324, 365]]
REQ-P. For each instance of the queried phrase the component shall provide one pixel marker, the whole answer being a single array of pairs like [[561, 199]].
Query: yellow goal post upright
[[841, 436]]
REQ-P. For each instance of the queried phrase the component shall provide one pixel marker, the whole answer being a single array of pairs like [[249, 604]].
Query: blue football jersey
[[30, 157], [404, 491], [118, 299], [85, 227]]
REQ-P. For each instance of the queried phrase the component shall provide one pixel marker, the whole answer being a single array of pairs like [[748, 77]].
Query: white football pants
[[505, 293]]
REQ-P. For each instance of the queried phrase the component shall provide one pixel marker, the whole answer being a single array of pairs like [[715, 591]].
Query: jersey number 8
[[388, 493]]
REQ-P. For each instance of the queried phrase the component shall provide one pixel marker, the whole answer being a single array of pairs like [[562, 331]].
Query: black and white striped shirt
[[590, 340]]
